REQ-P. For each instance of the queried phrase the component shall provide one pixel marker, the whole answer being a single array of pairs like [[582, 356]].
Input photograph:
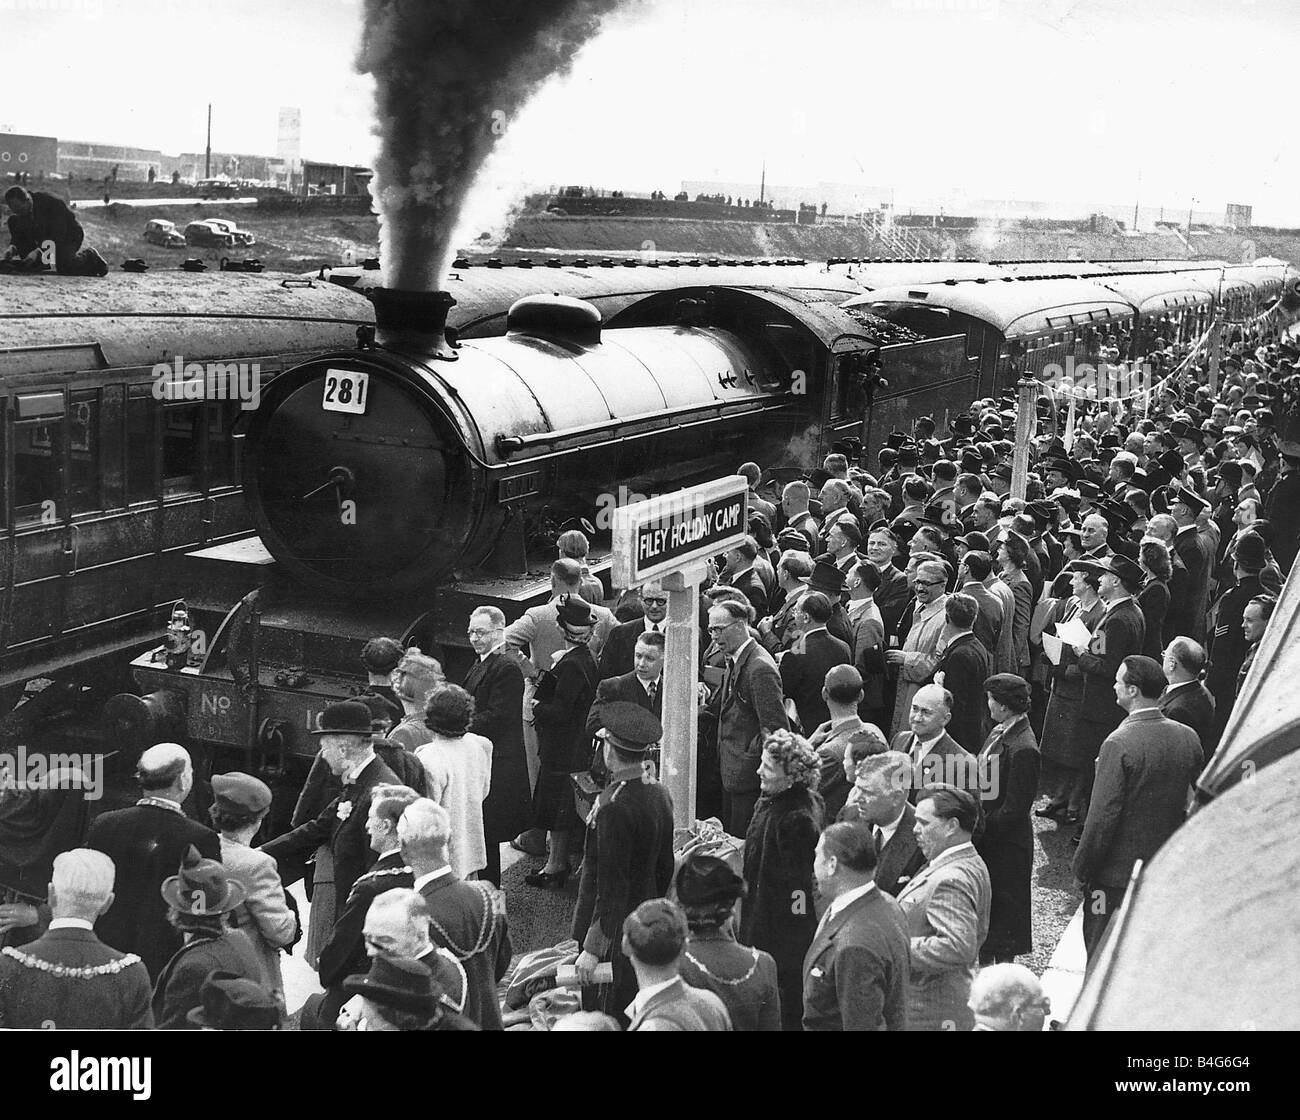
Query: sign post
[[668, 539]]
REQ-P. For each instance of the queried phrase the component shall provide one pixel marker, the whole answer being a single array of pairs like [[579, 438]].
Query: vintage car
[[218, 233], [159, 231], [241, 236], [217, 188]]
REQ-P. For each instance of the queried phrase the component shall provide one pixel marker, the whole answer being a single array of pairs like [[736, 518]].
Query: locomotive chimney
[[413, 322]]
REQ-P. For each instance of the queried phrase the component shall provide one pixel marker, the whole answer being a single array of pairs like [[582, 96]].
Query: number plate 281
[[345, 391]]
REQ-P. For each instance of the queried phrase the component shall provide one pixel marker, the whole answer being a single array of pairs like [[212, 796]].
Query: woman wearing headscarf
[[459, 767], [560, 708], [1067, 783], [744, 978], [778, 915], [1008, 769]]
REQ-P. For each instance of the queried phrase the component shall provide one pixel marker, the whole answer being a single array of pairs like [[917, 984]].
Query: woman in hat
[[744, 978], [1013, 558], [1064, 784], [459, 767], [414, 681], [1153, 595], [778, 915], [1008, 770], [563, 745], [200, 899]]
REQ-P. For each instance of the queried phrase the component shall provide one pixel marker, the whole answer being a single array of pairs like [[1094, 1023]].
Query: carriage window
[[182, 433], [140, 448], [83, 440], [221, 443], [38, 455]]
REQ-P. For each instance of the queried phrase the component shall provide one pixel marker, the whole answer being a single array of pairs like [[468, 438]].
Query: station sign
[[670, 532]]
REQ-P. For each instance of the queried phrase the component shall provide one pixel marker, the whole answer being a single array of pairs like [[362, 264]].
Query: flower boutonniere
[[344, 810]]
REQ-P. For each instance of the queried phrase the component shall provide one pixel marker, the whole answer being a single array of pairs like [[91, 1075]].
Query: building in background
[[35, 156], [1237, 216]]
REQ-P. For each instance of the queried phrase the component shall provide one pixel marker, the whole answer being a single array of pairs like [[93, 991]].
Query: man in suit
[[936, 756], [345, 951], [497, 689], [1187, 700], [146, 843], [628, 855], [536, 633], [814, 654], [1228, 643], [1145, 770], [467, 919], [68, 979], [349, 752], [855, 970], [240, 803], [653, 939], [741, 574], [642, 686], [616, 658], [778, 631], [916, 660], [988, 626], [748, 704], [879, 801], [1198, 557], [946, 906], [963, 668], [1283, 506], [893, 593], [794, 506], [842, 692]]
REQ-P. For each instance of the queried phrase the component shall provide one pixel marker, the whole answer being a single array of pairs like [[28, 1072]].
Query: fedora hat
[[231, 1003], [201, 886], [402, 983], [827, 578]]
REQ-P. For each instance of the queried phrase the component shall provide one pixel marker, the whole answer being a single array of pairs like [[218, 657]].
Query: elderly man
[[835, 496], [794, 505], [946, 906], [146, 843], [240, 803], [855, 970], [915, 662], [616, 658], [1008, 997], [748, 704], [1186, 700], [537, 633], [936, 756], [348, 749], [497, 689], [654, 937], [1093, 536], [345, 951], [68, 979], [467, 919], [879, 800], [628, 856], [741, 574], [1197, 555], [1145, 772]]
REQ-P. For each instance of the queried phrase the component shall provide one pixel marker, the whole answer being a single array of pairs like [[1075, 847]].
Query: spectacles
[[929, 582], [720, 629], [654, 599]]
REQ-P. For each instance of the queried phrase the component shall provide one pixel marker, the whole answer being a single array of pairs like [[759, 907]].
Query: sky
[[1162, 101]]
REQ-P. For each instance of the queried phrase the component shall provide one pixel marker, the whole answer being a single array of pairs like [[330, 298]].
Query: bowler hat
[[231, 1003], [349, 717], [1185, 495], [704, 881], [827, 578], [635, 729], [201, 886]]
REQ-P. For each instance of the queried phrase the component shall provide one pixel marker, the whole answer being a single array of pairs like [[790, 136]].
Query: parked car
[[241, 236], [217, 188], [159, 231]]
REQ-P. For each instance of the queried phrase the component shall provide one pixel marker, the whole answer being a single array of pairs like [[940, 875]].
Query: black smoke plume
[[450, 76]]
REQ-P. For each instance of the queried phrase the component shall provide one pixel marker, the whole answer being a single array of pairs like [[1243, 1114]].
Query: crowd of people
[[897, 671]]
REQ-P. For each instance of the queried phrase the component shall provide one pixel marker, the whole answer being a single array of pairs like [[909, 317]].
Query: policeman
[[629, 848]]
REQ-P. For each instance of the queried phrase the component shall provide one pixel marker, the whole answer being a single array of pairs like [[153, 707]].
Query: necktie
[[879, 837], [652, 690], [654, 627], [726, 681]]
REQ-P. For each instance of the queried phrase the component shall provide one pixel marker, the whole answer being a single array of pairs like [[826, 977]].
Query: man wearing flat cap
[[146, 843], [68, 979], [347, 745], [628, 856], [240, 803]]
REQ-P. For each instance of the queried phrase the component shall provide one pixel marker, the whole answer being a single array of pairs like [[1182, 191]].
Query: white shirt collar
[[355, 772], [71, 923], [922, 747], [650, 626], [1181, 684], [735, 656], [430, 876], [646, 684], [847, 898], [887, 830], [815, 630], [495, 649], [956, 849], [645, 995]]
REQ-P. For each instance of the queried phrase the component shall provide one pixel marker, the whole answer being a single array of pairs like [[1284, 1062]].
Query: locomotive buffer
[[669, 539]]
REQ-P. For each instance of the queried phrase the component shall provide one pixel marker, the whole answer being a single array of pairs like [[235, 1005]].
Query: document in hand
[[1073, 632], [1052, 646]]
